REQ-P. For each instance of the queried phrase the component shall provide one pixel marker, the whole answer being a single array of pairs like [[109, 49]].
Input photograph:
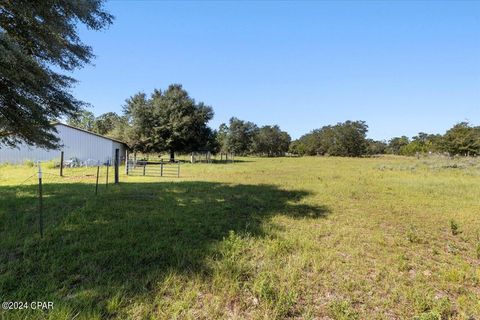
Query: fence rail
[[144, 168]]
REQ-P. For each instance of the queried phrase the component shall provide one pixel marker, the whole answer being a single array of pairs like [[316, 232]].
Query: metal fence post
[[40, 198], [61, 164], [144, 168], [96, 184], [108, 165], [126, 162], [117, 155], [161, 168]]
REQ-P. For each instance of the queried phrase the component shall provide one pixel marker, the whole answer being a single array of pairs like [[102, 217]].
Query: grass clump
[[454, 227], [343, 310]]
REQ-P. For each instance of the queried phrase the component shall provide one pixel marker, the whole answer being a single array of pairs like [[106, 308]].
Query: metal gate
[[152, 169]]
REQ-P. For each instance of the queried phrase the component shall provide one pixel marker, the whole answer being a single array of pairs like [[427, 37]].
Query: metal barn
[[77, 143]]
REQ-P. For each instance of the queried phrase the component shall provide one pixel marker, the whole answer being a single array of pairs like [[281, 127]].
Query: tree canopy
[[169, 121], [36, 39], [237, 136], [83, 119], [270, 141], [343, 139]]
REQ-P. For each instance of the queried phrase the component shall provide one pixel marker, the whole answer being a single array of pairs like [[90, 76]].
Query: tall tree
[[462, 139], [106, 123], [271, 141], [169, 121], [36, 39], [396, 144], [83, 119], [239, 138], [343, 139]]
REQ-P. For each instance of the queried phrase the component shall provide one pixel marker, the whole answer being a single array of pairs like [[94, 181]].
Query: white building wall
[[76, 144]]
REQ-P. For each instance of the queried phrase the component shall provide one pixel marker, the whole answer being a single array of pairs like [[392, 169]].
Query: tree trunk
[[172, 155]]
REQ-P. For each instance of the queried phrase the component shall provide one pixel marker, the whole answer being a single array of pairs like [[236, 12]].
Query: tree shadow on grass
[[128, 237]]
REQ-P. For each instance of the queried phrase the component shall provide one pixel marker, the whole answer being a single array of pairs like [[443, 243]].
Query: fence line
[[146, 168]]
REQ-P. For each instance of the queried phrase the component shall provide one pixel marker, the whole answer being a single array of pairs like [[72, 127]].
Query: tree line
[[171, 121], [349, 139]]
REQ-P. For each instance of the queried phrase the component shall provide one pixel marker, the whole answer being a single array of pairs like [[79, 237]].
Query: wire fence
[[45, 196]]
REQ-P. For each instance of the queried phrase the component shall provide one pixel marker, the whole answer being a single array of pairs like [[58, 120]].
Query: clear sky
[[402, 66]]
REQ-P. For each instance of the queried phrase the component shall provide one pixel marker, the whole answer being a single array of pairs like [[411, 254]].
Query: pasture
[[264, 238]]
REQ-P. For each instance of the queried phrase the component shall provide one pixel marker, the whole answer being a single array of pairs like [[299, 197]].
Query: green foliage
[[396, 144], [237, 136], [462, 139], [343, 139], [422, 143], [270, 141], [83, 119], [107, 123], [35, 38], [168, 121], [375, 147]]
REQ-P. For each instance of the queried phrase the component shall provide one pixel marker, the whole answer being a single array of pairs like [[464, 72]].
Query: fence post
[[161, 168], [96, 184], [178, 170], [40, 198], [108, 165], [116, 164], [126, 162], [61, 164], [144, 168]]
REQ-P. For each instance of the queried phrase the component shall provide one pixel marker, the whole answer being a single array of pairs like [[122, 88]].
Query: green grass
[[310, 238]]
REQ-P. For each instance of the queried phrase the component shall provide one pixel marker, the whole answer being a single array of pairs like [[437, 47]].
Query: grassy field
[[304, 238]]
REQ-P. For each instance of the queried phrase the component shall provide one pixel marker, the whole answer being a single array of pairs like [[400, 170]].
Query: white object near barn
[[85, 146]]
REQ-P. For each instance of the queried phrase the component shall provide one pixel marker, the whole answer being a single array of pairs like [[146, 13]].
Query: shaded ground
[[124, 241]]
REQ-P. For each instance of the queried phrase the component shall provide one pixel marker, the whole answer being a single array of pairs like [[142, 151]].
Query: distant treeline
[[349, 139], [172, 121]]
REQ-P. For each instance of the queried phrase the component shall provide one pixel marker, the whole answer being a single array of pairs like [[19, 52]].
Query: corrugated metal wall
[[76, 144]]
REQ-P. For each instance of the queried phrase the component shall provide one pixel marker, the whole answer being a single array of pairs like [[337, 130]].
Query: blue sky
[[402, 66]]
